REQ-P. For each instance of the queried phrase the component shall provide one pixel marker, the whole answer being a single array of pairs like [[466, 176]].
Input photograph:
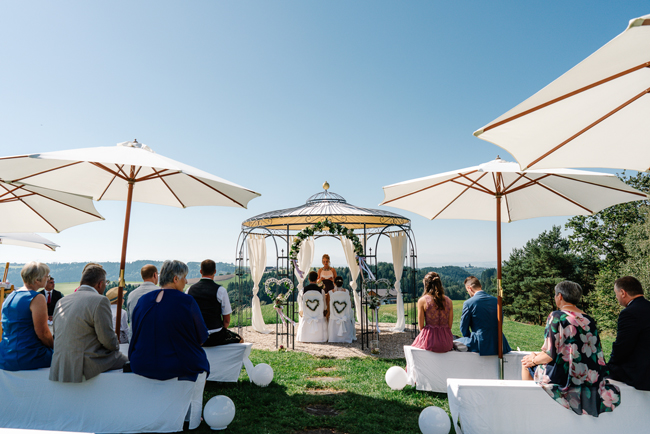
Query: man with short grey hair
[[149, 275], [85, 344]]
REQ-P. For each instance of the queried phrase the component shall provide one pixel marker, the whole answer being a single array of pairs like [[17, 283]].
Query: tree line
[[71, 271], [596, 251]]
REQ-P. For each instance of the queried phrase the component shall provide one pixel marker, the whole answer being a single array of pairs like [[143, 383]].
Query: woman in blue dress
[[26, 339], [168, 330]]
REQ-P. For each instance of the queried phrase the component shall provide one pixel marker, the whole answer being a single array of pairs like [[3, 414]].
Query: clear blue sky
[[279, 96]]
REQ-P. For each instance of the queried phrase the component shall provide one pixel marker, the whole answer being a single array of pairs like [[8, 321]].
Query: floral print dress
[[576, 376]]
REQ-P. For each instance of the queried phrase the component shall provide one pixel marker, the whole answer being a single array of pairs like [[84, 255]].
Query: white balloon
[[262, 375], [219, 412], [434, 420], [396, 378]]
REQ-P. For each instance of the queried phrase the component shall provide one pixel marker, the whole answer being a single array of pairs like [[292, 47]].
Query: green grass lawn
[[363, 400]]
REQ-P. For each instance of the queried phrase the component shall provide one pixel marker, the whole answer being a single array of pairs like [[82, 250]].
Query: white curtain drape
[[305, 259], [257, 262], [348, 248], [398, 243]]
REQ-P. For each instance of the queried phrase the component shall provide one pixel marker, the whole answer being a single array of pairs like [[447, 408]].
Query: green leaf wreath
[[325, 226]]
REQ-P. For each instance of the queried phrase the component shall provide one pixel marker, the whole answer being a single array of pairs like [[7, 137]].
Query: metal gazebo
[[368, 224]]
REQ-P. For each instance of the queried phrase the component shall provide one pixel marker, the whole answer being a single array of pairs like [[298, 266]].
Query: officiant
[[327, 274]]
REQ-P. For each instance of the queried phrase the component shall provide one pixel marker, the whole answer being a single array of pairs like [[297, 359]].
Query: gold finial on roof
[[326, 186]]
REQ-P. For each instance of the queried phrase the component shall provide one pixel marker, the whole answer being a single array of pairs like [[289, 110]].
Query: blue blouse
[[20, 348], [167, 337]]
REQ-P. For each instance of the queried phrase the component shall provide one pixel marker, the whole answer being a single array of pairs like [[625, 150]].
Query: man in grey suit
[[85, 344]]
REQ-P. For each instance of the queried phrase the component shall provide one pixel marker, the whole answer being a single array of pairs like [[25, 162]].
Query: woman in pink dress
[[435, 316]]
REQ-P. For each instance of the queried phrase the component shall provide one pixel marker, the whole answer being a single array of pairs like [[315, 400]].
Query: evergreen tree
[[531, 273]]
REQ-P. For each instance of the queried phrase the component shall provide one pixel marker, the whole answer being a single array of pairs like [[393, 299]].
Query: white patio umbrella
[[470, 194], [595, 115], [27, 208], [111, 173], [33, 241]]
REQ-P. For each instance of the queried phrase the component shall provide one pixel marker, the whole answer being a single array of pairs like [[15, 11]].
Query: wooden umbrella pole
[[499, 289], [122, 283]]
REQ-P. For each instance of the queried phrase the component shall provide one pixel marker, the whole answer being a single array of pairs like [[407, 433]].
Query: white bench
[[429, 371], [225, 361], [510, 406], [111, 402]]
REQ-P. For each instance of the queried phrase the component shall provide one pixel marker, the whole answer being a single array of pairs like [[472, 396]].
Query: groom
[[480, 315]]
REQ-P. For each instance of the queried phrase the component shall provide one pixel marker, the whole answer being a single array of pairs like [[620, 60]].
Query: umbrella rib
[[426, 188], [561, 195], [30, 207], [521, 175], [157, 175], [218, 191], [480, 188], [111, 171], [636, 193], [461, 193], [483, 188], [170, 190], [588, 127], [48, 170], [504, 194], [527, 184], [565, 96], [107, 187]]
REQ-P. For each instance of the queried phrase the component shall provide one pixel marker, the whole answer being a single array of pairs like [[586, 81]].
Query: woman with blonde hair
[[435, 316], [26, 339], [327, 274]]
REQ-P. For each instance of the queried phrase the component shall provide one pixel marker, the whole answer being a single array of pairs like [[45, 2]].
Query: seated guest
[[338, 284], [125, 330], [435, 317], [313, 286], [26, 340], [214, 303], [149, 275], [630, 359], [168, 330], [51, 296], [86, 344], [479, 324], [571, 367]]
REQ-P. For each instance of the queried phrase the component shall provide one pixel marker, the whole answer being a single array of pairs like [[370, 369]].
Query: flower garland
[[322, 226]]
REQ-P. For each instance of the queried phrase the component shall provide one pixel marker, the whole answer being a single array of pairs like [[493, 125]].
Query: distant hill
[[71, 271]]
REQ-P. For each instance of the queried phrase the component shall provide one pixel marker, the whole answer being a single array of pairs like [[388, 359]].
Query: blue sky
[[279, 96]]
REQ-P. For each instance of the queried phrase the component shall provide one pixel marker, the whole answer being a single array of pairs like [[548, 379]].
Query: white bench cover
[[429, 371], [225, 360], [112, 402], [511, 406]]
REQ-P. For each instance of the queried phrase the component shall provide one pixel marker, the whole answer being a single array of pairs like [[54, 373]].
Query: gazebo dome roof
[[326, 205]]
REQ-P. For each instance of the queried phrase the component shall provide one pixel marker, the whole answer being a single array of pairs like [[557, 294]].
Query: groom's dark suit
[[630, 360]]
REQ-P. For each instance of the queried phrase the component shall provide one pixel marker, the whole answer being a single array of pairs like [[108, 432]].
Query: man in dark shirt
[[214, 303], [630, 359], [51, 296]]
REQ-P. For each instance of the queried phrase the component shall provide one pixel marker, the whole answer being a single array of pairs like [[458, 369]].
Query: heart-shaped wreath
[[278, 299], [316, 303], [336, 303]]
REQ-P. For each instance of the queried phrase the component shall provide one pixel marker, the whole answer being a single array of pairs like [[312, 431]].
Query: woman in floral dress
[[571, 367]]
